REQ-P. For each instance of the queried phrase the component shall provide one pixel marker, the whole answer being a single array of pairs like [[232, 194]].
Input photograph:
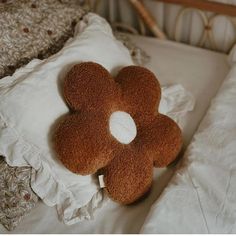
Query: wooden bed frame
[[198, 6], [219, 8]]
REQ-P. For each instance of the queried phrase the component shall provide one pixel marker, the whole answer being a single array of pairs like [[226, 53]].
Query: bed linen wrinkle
[[210, 165]]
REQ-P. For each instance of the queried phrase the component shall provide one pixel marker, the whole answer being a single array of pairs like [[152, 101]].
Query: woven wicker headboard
[[216, 7], [200, 7], [207, 12]]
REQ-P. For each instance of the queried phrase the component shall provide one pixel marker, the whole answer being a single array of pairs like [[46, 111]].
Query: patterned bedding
[[34, 29]]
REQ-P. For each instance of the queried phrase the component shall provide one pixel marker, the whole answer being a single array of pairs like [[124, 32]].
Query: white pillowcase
[[31, 102]]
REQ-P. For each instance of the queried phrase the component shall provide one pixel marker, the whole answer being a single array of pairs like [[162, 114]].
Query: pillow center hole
[[122, 127]]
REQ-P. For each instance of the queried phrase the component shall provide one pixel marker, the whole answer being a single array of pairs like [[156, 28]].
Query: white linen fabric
[[31, 102], [176, 102], [201, 197]]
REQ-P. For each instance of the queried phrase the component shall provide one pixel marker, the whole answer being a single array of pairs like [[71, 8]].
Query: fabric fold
[[201, 197]]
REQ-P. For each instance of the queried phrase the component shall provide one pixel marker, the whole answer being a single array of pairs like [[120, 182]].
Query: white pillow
[[31, 102]]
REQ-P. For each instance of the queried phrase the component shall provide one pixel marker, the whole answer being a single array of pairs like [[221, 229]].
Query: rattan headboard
[[200, 7], [216, 7]]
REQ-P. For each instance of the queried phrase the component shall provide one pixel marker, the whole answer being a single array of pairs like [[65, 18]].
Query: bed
[[199, 71], [202, 73]]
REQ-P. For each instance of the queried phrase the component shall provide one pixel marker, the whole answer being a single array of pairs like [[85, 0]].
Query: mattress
[[201, 72]]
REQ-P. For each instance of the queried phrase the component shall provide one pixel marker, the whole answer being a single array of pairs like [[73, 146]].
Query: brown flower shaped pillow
[[114, 127]]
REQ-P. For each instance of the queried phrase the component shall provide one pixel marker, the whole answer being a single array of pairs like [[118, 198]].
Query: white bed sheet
[[200, 72], [201, 197]]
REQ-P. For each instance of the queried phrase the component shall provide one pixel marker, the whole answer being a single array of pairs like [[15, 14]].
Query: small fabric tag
[[101, 181]]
